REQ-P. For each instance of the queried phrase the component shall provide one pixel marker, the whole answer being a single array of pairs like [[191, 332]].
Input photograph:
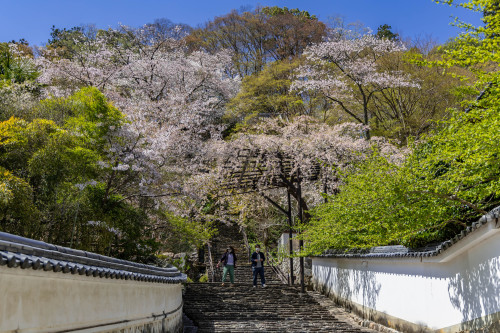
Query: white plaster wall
[[38, 301], [284, 243], [432, 293]]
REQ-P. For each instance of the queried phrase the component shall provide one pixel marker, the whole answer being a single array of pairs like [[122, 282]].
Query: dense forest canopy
[[118, 141]]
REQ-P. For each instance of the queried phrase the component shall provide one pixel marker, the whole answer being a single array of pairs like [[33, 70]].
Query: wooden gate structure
[[257, 171]]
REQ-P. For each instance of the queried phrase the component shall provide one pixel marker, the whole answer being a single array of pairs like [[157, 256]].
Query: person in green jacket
[[228, 260]]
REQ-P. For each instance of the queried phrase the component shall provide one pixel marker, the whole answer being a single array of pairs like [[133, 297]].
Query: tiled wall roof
[[27, 253], [400, 251]]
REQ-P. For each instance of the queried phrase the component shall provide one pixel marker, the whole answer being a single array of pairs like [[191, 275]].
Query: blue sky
[[32, 19]]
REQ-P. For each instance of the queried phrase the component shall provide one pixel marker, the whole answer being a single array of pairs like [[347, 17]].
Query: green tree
[[384, 32], [477, 50], [18, 214], [70, 176], [268, 94], [402, 112], [66, 42], [448, 181]]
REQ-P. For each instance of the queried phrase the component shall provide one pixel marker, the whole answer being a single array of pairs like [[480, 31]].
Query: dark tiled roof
[[27, 253], [400, 251]]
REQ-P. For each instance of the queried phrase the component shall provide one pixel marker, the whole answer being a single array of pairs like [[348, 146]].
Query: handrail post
[[290, 235], [301, 242]]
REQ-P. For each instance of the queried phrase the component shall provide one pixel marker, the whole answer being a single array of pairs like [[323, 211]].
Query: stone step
[[231, 236], [242, 308], [188, 325]]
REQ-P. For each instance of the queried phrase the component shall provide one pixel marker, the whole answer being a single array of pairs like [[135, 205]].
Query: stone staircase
[[211, 307], [242, 308], [230, 236]]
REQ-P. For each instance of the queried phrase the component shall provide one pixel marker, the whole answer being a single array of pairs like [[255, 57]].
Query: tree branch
[[452, 197], [274, 203], [345, 108], [150, 195]]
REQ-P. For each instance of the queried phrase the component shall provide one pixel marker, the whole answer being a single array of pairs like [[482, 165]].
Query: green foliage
[[357, 216], [384, 32], [17, 210], [94, 116], [54, 188], [267, 94], [276, 11], [60, 37], [21, 139], [185, 233], [67, 42], [461, 160], [448, 181], [477, 49], [16, 63]]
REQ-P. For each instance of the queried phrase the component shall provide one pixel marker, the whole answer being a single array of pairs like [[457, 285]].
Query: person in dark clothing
[[228, 260], [258, 259]]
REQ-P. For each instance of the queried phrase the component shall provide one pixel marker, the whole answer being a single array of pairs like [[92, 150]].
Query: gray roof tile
[[400, 251], [16, 251]]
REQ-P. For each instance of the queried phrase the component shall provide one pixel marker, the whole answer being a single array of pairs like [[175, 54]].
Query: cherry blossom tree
[[90, 64], [172, 98], [180, 96], [173, 101], [303, 144], [18, 91], [346, 71]]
